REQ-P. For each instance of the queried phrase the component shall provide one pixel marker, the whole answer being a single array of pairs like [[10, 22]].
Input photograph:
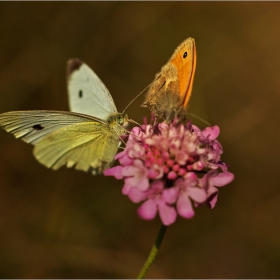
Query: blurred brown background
[[69, 224]]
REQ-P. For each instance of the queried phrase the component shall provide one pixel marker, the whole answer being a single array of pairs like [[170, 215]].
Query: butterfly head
[[122, 119], [118, 121]]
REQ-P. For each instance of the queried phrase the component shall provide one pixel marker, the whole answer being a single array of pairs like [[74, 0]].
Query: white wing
[[86, 93], [32, 126]]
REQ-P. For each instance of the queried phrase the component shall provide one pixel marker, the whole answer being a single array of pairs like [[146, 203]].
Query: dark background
[[69, 224]]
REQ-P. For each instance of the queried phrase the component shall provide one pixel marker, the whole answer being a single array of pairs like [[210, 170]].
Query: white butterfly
[[87, 138]]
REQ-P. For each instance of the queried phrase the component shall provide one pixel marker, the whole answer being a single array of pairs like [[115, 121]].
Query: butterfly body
[[87, 138], [169, 94]]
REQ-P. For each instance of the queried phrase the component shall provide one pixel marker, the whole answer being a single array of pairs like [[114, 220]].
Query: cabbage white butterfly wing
[[87, 141], [86, 93]]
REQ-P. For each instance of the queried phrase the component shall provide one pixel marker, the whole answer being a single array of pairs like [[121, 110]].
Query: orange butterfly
[[170, 92]]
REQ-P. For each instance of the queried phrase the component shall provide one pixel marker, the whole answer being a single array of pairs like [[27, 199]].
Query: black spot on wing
[[73, 65], [80, 93], [38, 127]]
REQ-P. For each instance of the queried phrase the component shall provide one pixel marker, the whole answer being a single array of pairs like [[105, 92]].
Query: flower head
[[171, 169]]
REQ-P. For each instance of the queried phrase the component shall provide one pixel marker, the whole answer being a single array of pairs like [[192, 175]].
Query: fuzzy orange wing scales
[[184, 59]]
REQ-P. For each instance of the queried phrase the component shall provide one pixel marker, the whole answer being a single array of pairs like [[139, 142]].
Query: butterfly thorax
[[118, 122], [163, 97]]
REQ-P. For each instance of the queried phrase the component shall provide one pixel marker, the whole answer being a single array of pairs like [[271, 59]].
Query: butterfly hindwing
[[88, 145]]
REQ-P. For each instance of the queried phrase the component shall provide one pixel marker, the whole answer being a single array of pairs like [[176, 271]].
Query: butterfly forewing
[[64, 138], [86, 92], [32, 126]]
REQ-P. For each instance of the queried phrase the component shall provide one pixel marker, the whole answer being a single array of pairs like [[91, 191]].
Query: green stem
[[153, 252]]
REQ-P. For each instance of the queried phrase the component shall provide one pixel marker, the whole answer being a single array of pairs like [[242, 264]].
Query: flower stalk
[[153, 252]]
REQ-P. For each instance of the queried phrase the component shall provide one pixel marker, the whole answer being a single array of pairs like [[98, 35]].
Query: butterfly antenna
[[139, 94], [132, 121], [200, 119]]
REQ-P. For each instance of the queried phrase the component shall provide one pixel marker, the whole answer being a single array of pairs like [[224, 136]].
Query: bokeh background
[[70, 224]]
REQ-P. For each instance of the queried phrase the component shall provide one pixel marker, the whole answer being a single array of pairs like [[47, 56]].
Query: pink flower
[[210, 181], [155, 200], [136, 175], [171, 169], [189, 190]]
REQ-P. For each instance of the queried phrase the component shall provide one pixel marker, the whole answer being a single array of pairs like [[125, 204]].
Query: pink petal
[[212, 200], [223, 166], [136, 150], [135, 130], [137, 175], [211, 190], [204, 181], [163, 126], [211, 132], [125, 160], [170, 195], [181, 157], [127, 186], [120, 155], [158, 171], [139, 163], [148, 210], [115, 171], [190, 181], [137, 195], [184, 206], [157, 185], [197, 194], [167, 214], [221, 179], [140, 182], [195, 128], [152, 174], [143, 184], [129, 171]]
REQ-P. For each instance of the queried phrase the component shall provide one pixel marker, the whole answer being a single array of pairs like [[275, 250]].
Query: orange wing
[[184, 59]]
